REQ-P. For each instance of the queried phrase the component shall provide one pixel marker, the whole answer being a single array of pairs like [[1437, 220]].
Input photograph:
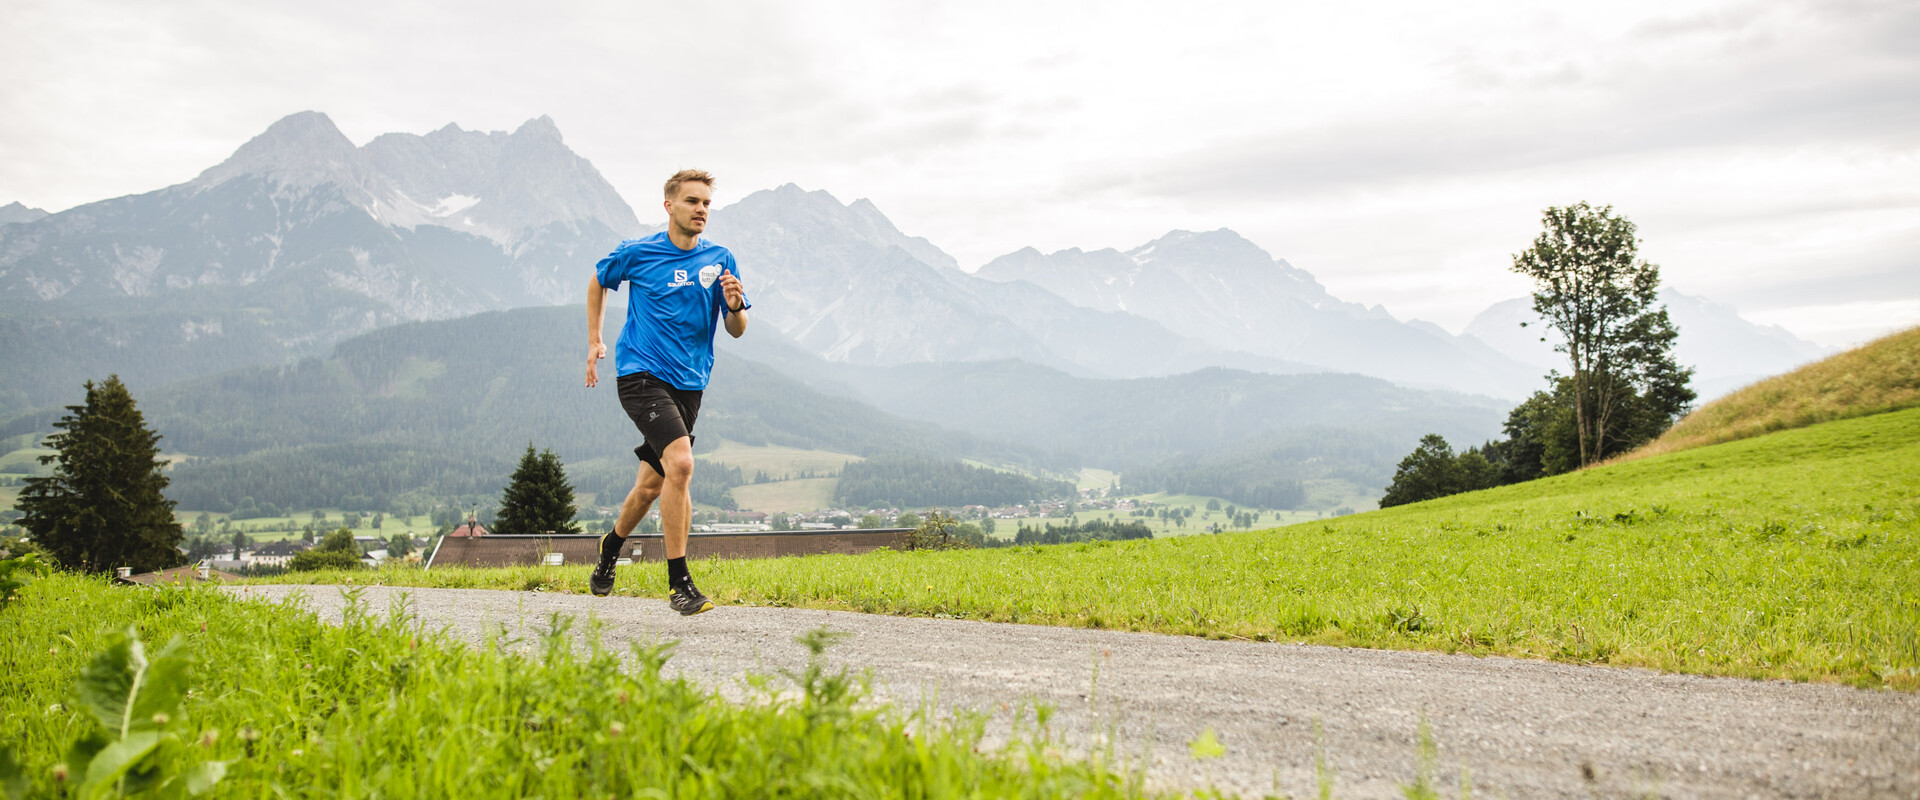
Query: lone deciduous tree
[[102, 507], [539, 499], [1595, 290]]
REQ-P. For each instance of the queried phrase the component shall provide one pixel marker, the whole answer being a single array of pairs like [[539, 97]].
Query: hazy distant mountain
[[444, 407], [1726, 351], [1130, 423], [846, 285], [1223, 290], [424, 226], [297, 241], [15, 212]]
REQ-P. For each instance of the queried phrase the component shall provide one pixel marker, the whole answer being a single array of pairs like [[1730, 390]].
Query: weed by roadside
[[378, 706]]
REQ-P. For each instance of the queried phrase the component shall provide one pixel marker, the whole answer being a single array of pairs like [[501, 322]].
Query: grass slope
[[1790, 555], [1880, 376], [379, 707]]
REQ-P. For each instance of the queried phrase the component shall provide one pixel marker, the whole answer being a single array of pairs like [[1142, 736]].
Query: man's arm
[[596, 316], [736, 297]]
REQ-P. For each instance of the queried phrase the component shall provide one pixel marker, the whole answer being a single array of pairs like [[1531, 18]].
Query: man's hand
[[595, 352], [736, 295]]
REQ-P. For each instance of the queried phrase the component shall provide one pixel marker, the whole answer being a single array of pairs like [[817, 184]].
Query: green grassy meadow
[[777, 461], [1791, 555], [25, 462], [798, 494], [271, 702]]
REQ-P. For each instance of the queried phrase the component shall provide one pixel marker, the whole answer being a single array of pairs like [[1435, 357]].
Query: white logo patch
[[709, 274]]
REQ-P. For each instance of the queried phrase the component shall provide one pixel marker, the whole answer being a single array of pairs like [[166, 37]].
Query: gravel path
[[1522, 728]]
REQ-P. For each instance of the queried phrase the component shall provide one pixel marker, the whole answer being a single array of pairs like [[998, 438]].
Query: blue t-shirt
[[673, 309]]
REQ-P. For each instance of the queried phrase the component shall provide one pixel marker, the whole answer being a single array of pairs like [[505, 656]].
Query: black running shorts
[[662, 413]]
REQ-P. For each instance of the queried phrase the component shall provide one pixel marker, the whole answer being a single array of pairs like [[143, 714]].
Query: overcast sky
[[1770, 152]]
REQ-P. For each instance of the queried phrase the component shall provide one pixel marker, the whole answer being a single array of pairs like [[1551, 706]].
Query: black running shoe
[[688, 600], [602, 580]]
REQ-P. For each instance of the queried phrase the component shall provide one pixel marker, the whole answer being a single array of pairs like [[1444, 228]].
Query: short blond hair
[[687, 176]]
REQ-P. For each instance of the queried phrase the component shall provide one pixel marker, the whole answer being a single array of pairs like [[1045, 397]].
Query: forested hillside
[[1143, 422], [444, 407], [1270, 470]]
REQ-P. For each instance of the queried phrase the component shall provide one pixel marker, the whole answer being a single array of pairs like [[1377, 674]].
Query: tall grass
[[1792, 555], [1877, 377], [377, 707]]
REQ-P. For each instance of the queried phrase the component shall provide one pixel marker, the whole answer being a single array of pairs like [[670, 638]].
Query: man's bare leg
[[676, 512], [676, 503], [646, 489]]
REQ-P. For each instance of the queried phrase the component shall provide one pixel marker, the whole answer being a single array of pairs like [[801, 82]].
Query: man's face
[[688, 211]]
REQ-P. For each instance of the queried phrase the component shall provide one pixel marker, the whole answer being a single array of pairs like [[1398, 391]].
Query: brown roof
[[498, 550], [187, 574], [468, 529]]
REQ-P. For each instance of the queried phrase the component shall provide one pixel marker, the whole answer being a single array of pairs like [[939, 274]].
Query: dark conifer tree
[[539, 499], [102, 507]]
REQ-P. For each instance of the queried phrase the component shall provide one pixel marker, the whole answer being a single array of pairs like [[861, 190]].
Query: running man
[[681, 284]]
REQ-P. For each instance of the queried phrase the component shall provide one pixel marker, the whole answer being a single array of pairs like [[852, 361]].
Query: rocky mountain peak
[[1214, 248], [540, 127], [796, 211], [303, 149], [19, 212]]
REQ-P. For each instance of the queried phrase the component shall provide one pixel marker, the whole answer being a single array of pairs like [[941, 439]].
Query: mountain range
[[303, 245], [297, 241], [1221, 289]]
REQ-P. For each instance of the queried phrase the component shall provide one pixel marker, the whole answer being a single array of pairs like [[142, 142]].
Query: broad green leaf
[[204, 775], [80, 755], [163, 686], [13, 777], [117, 758], [1206, 746], [111, 678]]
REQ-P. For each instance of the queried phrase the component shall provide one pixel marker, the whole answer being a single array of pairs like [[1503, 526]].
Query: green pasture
[[777, 461], [799, 494], [1092, 478], [1791, 555], [26, 461], [269, 701]]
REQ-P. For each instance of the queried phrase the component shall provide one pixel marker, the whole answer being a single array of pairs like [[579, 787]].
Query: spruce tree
[[103, 507], [539, 498]]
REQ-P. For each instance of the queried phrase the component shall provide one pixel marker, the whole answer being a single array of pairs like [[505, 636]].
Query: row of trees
[[1076, 531], [1624, 387]]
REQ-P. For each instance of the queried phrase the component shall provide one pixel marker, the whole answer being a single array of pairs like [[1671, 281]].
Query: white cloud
[[1401, 152]]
